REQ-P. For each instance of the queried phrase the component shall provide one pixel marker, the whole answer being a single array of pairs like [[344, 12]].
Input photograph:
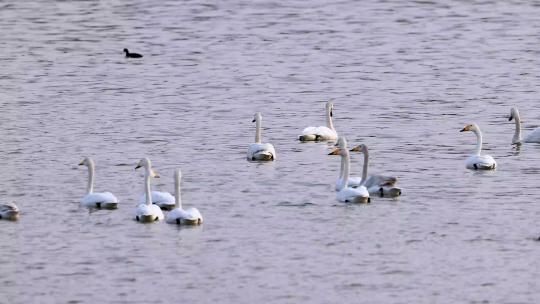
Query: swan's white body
[[478, 161], [9, 211], [147, 212], [105, 200], [345, 193], [164, 200], [260, 151], [533, 137], [323, 132], [379, 185], [179, 216]]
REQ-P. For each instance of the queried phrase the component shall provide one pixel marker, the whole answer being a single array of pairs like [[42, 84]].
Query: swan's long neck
[[90, 185], [329, 123], [346, 165], [478, 142], [517, 133], [339, 184], [258, 132], [178, 201], [147, 189], [365, 168]]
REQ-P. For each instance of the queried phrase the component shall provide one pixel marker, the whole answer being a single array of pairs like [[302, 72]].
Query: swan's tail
[[480, 166], [390, 192], [9, 211], [146, 218], [308, 137], [263, 156], [109, 206], [361, 200]]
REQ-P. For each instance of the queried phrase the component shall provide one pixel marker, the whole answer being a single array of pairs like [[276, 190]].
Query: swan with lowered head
[[179, 216], [478, 161], [381, 185], [98, 200], [147, 212], [9, 211], [321, 133], [258, 151], [533, 137], [344, 192]]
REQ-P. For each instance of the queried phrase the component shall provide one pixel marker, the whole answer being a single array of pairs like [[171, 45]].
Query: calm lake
[[404, 77]]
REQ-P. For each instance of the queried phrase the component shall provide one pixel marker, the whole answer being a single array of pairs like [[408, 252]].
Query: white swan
[[147, 212], [477, 161], [321, 133], [344, 192], [381, 185], [9, 211], [533, 137], [164, 200], [105, 200], [190, 216], [259, 151]]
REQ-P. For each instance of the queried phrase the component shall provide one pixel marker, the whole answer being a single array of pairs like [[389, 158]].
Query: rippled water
[[404, 77]]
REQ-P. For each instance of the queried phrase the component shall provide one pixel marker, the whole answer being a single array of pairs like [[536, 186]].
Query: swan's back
[[353, 195], [261, 151], [190, 216], [481, 162], [318, 133], [9, 211], [533, 137], [159, 197], [99, 197]]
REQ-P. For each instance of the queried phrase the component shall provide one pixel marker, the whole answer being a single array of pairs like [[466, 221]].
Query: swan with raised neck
[[148, 212], [98, 200]]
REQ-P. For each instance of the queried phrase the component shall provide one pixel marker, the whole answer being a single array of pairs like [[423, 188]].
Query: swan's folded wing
[[354, 181], [9, 207], [349, 194], [193, 213], [99, 197], [310, 131], [326, 132], [259, 148], [481, 162], [380, 180], [143, 209], [533, 137], [159, 197]]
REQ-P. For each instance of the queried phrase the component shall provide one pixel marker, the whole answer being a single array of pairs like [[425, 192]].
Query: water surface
[[405, 77]]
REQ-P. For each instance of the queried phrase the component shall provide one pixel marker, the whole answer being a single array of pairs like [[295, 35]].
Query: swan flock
[[352, 189]]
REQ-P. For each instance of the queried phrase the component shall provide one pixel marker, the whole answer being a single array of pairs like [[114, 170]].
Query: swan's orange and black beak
[[356, 149], [154, 174], [336, 151], [81, 163], [465, 129], [511, 117]]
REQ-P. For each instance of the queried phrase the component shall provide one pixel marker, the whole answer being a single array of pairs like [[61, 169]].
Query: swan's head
[[336, 151], [471, 127], [257, 117], [513, 114], [126, 51], [341, 144], [360, 148], [145, 162], [87, 161], [330, 108]]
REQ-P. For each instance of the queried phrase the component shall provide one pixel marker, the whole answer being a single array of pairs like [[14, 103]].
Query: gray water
[[405, 77]]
